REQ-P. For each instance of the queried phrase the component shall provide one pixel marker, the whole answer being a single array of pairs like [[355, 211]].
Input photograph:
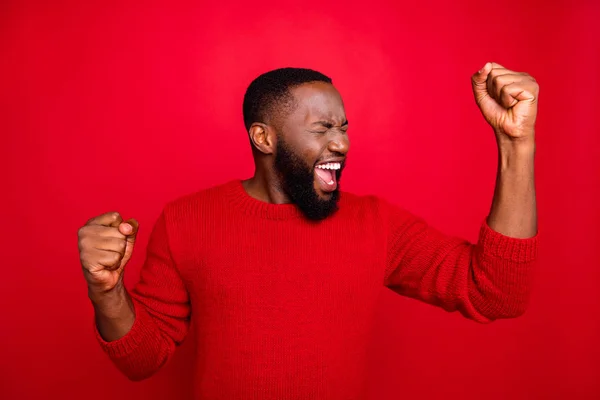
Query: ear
[[262, 137]]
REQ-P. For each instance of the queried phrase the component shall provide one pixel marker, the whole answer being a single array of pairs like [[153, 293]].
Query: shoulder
[[190, 206], [201, 196], [358, 200], [368, 201], [363, 204], [373, 205]]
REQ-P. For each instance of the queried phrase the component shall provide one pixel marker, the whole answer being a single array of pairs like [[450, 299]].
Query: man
[[280, 273]]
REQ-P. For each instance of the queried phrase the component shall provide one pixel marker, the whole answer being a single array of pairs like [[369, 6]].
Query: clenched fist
[[105, 246], [508, 101]]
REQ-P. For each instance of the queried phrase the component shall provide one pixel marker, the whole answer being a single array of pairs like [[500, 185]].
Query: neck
[[266, 186]]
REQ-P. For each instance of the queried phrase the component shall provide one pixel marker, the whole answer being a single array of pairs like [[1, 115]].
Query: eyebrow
[[328, 124]]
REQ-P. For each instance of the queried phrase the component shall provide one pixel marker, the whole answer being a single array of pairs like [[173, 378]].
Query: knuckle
[[115, 257], [103, 231], [84, 242], [528, 77], [84, 257]]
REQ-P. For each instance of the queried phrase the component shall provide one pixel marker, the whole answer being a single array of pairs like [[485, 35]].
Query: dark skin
[[315, 129]]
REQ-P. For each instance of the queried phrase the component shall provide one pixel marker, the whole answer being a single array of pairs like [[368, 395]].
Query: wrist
[[105, 301], [114, 312], [518, 145], [513, 152]]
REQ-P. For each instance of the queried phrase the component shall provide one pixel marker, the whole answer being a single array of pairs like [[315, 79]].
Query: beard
[[297, 180]]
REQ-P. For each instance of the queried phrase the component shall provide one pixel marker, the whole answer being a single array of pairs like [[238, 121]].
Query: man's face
[[311, 149]]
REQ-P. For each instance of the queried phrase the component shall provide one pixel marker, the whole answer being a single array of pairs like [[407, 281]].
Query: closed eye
[[328, 125]]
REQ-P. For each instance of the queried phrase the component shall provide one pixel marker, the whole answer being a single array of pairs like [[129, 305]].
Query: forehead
[[318, 101]]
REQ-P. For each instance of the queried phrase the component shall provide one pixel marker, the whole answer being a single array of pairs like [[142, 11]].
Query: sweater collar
[[242, 201]]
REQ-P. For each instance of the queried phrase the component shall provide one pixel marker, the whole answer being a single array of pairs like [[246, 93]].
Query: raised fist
[[105, 246], [508, 100]]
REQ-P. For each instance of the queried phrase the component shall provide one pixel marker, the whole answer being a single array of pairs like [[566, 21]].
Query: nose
[[340, 143]]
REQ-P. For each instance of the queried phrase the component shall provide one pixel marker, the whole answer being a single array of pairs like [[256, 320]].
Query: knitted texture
[[282, 307]]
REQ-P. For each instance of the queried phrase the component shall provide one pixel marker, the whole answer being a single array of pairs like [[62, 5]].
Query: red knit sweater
[[282, 307]]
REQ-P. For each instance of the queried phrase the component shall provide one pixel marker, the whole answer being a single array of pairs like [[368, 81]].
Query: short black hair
[[272, 90]]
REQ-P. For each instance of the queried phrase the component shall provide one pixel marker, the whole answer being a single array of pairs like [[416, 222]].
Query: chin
[[323, 195]]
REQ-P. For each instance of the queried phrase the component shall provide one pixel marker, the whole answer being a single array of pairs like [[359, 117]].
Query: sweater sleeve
[[485, 281], [162, 312]]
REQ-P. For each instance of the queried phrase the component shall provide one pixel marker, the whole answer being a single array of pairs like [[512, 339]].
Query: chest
[[283, 266]]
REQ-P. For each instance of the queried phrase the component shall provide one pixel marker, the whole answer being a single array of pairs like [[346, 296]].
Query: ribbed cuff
[[505, 247], [140, 332]]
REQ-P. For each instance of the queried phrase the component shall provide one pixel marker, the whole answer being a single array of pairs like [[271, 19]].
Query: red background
[[122, 106]]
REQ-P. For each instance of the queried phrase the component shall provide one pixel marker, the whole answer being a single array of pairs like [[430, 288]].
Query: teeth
[[331, 182], [334, 166]]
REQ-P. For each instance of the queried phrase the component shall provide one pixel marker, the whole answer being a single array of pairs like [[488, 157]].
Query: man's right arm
[[139, 330]]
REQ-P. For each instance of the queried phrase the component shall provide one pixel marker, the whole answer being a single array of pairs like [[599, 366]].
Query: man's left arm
[[508, 101], [492, 278]]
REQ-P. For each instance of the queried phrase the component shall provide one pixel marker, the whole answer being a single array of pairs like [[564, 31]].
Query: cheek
[[311, 152], [312, 156], [306, 145]]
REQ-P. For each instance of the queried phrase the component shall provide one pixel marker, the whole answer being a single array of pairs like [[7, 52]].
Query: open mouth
[[326, 175]]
